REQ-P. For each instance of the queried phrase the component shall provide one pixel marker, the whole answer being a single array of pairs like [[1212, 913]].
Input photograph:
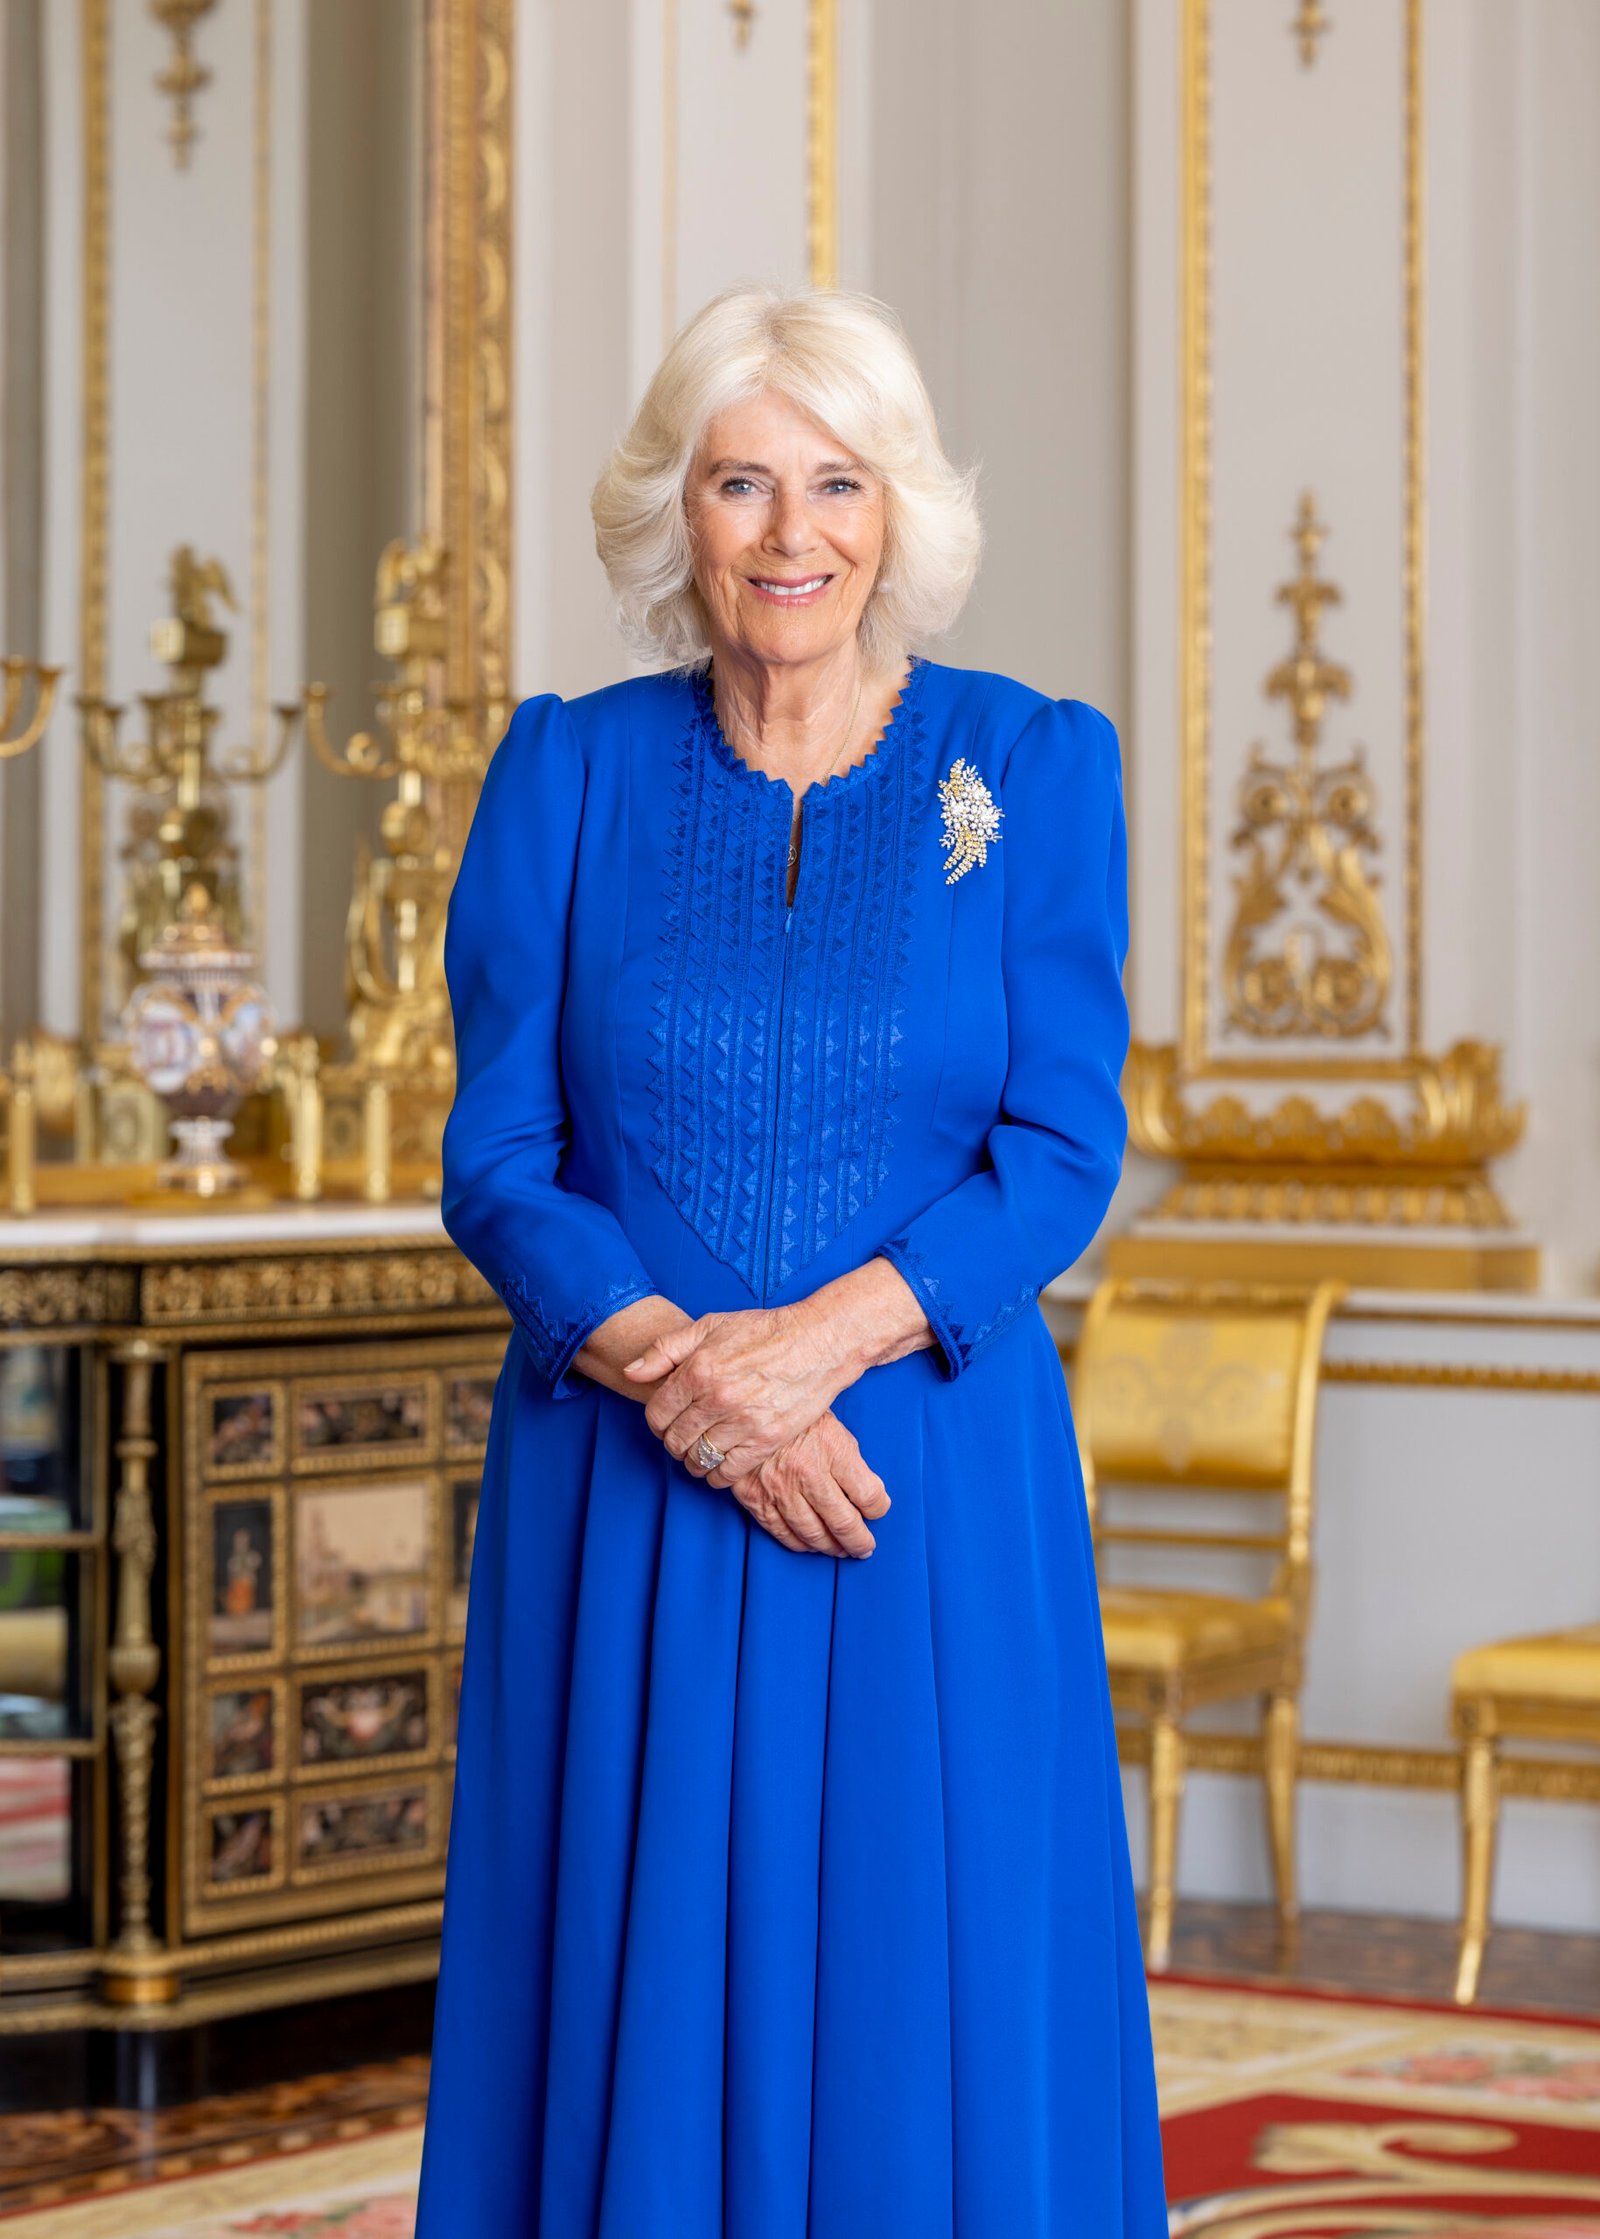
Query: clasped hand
[[760, 1384]]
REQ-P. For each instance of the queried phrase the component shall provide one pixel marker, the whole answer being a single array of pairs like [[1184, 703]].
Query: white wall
[[1001, 232], [983, 192]]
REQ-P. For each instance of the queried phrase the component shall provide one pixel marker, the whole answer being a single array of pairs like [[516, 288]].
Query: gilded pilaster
[[134, 1666]]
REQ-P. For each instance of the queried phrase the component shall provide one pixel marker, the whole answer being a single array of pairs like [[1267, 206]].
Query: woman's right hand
[[814, 1494]]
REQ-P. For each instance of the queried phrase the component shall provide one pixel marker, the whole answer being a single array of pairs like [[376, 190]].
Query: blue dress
[[787, 1896]]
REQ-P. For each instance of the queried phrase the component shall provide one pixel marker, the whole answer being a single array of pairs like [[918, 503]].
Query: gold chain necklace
[[844, 747]]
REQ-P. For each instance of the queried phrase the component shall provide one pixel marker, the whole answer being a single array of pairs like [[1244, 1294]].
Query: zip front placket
[[772, 1214]]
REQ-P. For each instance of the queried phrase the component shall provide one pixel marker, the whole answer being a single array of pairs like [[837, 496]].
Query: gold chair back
[[1205, 1388]]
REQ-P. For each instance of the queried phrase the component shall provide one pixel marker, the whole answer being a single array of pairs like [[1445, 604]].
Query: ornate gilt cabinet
[[239, 1463]]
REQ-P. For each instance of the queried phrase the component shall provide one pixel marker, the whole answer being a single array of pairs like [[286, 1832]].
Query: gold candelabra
[[20, 680], [385, 1103], [196, 1028], [178, 834], [18, 675]]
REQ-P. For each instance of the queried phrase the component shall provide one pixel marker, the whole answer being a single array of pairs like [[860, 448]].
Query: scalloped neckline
[[842, 781]]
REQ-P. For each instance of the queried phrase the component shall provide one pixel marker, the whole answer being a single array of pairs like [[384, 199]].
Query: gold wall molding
[[1352, 1764], [1196, 467], [1196, 601], [94, 526], [1306, 829], [467, 461], [257, 889], [1335, 1113], [822, 143], [1414, 517], [1465, 1376]]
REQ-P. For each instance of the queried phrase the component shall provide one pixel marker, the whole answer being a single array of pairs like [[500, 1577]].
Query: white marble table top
[[125, 1231]]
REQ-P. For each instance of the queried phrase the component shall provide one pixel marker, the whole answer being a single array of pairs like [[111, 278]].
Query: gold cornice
[[1455, 1118]]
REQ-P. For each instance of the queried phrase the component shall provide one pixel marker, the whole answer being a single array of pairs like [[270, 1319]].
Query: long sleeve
[[979, 1255], [559, 1260]]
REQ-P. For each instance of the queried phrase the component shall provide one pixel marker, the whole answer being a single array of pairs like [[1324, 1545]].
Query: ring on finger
[[707, 1455]]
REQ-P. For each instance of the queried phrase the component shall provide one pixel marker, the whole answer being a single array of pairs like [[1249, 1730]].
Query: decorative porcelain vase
[[201, 1033]]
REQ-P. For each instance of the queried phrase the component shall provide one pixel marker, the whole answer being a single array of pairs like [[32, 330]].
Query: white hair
[[844, 359]]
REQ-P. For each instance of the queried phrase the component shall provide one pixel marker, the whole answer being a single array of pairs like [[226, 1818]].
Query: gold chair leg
[[1166, 1789], [1281, 1754], [1480, 1811]]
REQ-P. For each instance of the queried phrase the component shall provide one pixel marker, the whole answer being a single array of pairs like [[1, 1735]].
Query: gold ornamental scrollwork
[[308, 1284], [134, 1663], [24, 683], [1419, 1160], [1457, 1117], [66, 1297], [183, 77], [1308, 835], [1315, 1130], [1308, 27]]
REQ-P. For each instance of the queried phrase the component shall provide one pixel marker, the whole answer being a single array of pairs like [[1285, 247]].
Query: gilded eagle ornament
[[971, 820]]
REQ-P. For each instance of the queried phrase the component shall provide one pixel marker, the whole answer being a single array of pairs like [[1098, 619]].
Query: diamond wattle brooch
[[971, 819]]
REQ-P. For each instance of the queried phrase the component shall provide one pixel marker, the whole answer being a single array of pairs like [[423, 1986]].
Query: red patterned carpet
[[1288, 2115]]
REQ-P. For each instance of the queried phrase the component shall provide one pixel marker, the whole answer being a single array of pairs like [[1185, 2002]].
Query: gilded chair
[[1545, 1688], [1196, 1405]]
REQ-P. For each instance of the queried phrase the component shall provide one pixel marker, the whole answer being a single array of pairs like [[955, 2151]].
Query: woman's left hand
[[751, 1380]]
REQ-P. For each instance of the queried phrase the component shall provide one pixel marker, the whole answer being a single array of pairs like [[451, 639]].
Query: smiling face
[[788, 531]]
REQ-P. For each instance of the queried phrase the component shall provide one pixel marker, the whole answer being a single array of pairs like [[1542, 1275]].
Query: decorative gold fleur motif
[[1308, 26], [971, 819], [1308, 952]]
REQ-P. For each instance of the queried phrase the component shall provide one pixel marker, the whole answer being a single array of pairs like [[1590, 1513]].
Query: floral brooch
[[971, 820]]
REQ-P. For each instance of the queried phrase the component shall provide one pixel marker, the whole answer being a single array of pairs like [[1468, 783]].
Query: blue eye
[[738, 482], [842, 482]]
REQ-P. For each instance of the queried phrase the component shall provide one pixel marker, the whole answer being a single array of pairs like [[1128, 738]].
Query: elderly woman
[[783, 1900]]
